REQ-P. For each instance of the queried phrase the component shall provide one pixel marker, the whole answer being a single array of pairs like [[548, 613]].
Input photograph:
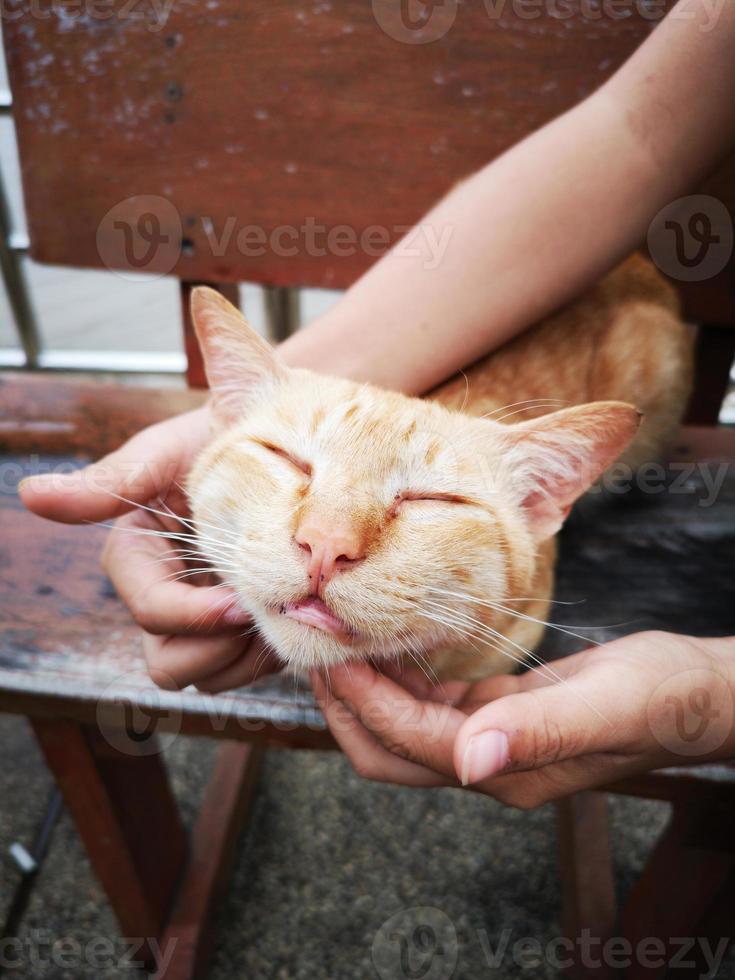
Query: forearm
[[534, 227], [522, 239]]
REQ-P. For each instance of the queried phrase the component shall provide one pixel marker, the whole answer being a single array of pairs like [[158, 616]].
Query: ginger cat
[[360, 523]]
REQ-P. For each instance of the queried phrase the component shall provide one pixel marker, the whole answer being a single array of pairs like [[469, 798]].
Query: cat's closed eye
[[299, 464], [417, 496]]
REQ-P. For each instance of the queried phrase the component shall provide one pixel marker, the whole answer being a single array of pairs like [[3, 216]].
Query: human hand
[[193, 633], [638, 703]]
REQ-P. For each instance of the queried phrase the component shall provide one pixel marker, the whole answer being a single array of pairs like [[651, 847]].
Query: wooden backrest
[[288, 143]]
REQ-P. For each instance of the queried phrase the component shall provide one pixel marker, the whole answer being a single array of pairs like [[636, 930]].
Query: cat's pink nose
[[329, 548]]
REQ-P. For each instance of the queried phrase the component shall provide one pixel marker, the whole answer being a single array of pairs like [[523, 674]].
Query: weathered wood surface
[[292, 116], [41, 414], [67, 645], [659, 560]]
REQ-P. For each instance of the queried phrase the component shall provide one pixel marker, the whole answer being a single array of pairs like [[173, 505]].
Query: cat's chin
[[306, 633]]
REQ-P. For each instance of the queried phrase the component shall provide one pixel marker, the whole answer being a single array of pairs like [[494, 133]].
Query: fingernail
[[38, 478], [44, 481], [484, 755]]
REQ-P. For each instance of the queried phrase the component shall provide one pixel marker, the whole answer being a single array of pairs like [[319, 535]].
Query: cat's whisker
[[462, 628], [502, 418], [191, 556], [499, 607], [537, 663], [151, 510], [527, 405], [466, 391], [540, 598], [471, 639], [497, 637], [187, 572], [500, 637], [150, 532], [524, 401], [172, 535], [225, 583], [431, 677], [168, 513], [259, 661]]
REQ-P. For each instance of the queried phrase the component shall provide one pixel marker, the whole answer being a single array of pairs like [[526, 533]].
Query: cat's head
[[356, 522]]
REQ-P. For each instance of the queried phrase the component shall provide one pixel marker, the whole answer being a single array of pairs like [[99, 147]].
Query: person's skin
[[528, 232], [638, 703]]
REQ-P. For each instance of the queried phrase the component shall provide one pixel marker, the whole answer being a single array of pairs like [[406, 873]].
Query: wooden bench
[[274, 117]]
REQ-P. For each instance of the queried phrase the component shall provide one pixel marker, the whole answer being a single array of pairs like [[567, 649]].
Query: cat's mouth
[[315, 613]]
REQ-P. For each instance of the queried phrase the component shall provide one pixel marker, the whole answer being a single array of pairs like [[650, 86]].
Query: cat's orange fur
[[453, 513]]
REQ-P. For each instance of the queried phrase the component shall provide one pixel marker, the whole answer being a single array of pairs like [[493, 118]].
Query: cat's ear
[[241, 367], [554, 459]]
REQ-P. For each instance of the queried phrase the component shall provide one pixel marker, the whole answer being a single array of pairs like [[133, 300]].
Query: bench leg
[[160, 888], [229, 795], [127, 818], [681, 885], [585, 871]]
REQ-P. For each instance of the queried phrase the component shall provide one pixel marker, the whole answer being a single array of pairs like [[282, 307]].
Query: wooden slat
[[41, 414], [291, 120], [681, 786]]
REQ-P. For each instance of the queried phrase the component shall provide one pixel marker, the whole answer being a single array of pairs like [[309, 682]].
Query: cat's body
[[360, 523]]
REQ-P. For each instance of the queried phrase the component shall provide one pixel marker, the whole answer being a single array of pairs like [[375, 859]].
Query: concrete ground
[[329, 874]]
